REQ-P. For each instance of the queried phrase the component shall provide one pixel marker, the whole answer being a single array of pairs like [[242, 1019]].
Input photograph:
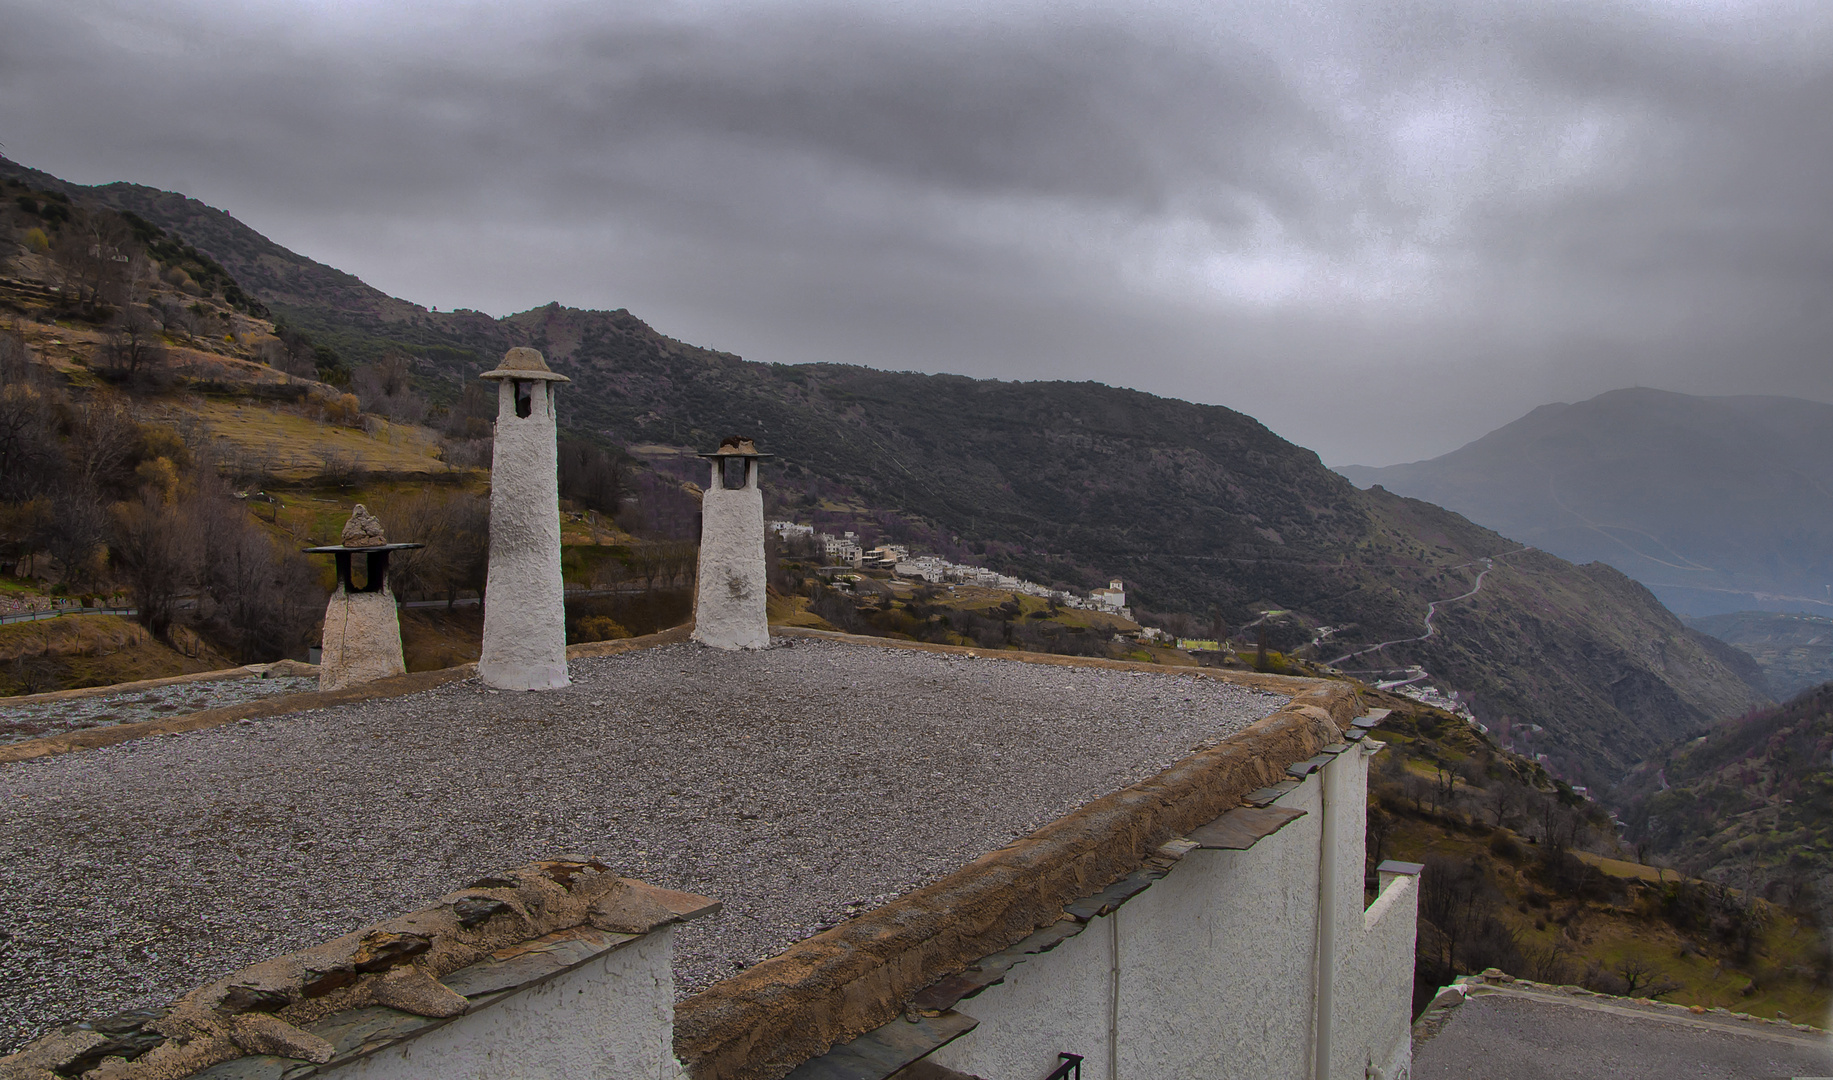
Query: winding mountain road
[[1489, 564]]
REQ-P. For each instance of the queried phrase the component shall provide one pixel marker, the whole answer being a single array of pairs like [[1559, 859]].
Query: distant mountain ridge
[[1717, 504], [1795, 651], [1199, 508]]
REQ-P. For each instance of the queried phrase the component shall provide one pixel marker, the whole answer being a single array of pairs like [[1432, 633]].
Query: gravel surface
[[21, 721], [798, 786]]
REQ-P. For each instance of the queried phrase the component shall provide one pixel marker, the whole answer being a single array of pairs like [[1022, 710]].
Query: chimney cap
[[524, 363], [742, 446]]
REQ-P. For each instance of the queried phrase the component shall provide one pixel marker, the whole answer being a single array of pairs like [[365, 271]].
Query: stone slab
[[878, 1054], [1241, 829]]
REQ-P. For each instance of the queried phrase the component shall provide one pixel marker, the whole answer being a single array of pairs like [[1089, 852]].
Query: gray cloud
[[1381, 228]]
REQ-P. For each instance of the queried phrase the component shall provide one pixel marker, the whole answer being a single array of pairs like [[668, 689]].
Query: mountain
[[1749, 803], [1717, 504], [1199, 508], [1794, 651]]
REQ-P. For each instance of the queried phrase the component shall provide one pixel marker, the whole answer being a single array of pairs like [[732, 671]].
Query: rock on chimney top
[[363, 530]]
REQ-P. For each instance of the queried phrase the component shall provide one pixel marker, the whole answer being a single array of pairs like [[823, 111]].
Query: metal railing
[[1069, 1069], [53, 613]]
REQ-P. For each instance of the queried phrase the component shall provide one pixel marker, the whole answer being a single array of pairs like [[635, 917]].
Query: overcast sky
[[1382, 229]]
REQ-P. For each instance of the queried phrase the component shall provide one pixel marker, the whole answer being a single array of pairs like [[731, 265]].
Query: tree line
[[101, 495]]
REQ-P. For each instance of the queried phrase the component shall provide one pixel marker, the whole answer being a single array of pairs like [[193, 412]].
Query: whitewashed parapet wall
[[524, 645], [556, 969], [729, 602], [610, 1018], [1224, 968]]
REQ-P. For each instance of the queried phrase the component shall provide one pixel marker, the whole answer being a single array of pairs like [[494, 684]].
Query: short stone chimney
[[362, 641], [524, 596], [729, 610]]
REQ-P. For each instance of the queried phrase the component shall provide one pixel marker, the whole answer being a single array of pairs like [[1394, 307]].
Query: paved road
[[1432, 608], [35, 616], [1544, 1036]]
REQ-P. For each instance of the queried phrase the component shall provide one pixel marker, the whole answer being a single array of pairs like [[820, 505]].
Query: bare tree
[[169, 314], [93, 254], [134, 346], [1502, 802], [1444, 784], [29, 461], [1638, 974], [386, 388], [454, 526], [263, 600], [15, 357], [22, 524], [1547, 963], [103, 439], [160, 549], [341, 469], [75, 535]]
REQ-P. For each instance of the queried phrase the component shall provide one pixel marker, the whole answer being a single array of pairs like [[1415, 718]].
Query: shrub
[[597, 628], [343, 409], [37, 240]]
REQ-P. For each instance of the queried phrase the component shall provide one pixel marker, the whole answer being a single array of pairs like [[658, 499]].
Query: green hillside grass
[[76, 651], [1524, 875]]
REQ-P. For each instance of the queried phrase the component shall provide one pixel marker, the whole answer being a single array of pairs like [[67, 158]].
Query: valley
[[268, 420]]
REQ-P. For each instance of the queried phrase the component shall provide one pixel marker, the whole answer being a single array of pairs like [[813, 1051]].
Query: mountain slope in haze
[[1200, 508], [1794, 651], [1749, 803], [1717, 504]]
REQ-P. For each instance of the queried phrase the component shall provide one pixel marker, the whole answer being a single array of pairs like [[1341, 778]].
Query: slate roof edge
[[281, 704], [860, 975], [396, 963]]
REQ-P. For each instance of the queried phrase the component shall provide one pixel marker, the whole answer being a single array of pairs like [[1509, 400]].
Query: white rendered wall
[[1371, 1026], [610, 1019], [1374, 1038], [729, 611], [1054, 1002], [524, 597], [362, 639], [1216, 967]]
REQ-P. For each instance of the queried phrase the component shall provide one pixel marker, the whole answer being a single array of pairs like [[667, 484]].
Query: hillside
[[1794, 651], [1524, 875], [1750, 803], [1200, 508], [1717, 504]]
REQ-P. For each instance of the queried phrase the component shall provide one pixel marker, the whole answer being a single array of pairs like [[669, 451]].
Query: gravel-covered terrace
[[797, 786]]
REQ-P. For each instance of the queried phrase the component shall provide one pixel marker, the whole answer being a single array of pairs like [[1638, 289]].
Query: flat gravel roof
[[22, 720], [798, 786]]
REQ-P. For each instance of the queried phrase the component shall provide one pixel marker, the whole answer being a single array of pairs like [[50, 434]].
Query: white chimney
[[524, 596], [729, 611]]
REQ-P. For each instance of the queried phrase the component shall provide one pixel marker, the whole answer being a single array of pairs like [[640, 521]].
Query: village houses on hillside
[[845, 550]]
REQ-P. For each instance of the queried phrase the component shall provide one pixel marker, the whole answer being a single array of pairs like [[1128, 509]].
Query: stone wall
[[362, 640]]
